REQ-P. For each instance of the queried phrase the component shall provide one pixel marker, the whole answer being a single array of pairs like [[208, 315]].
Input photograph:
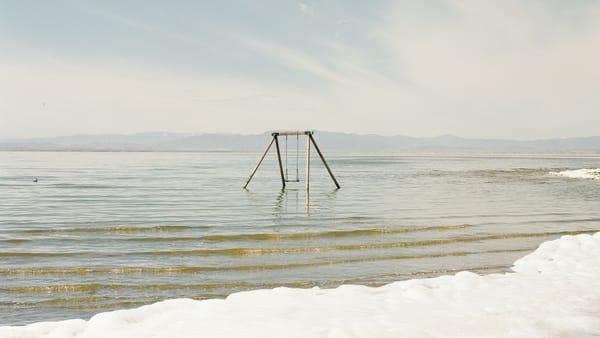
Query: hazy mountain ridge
[[327, 140]]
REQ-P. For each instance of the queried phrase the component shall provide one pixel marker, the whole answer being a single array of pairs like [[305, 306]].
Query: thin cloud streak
[[488, 70]]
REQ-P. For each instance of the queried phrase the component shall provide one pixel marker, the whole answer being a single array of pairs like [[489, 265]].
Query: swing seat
[[292, 180]]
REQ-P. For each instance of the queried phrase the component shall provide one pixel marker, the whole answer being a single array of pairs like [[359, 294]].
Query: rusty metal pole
[[279, 160], [259, 162], [324, 162], [307, 164]]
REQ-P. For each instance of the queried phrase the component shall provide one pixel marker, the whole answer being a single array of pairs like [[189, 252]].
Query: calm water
[[102, 231]]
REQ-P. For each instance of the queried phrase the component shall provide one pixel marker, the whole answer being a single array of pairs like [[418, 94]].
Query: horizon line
[[268, 132]]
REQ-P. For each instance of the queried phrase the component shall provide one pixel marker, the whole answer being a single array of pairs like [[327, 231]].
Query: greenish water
[[102, 231]]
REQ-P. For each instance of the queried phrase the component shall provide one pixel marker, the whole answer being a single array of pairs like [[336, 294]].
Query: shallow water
[[102, 231]]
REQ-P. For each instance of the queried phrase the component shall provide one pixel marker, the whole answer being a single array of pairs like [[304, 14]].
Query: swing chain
[[287, 176], [286, 158]]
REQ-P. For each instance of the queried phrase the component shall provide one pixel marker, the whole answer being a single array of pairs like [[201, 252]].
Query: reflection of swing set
[[285, 177]]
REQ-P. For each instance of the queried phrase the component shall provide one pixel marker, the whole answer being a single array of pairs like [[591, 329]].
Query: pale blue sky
[[491, 69]]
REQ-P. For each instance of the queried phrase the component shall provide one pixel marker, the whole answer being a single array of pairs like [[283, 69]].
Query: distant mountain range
[[159, 141]]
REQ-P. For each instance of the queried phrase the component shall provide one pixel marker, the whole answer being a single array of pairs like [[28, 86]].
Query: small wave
[[236, 237], [93, 287], [244, 251], [113, 230], [593, 174], [71, 300], [442, 271], [78, 303], [326, 234], [55, 288], [201, 269], [352, 247], [107, 270], [104, 306], [40, 254], [516, 172], [16, 240], [82, 186]]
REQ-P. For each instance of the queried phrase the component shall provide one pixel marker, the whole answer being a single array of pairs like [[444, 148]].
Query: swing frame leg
[[307, 165], [279, 160], [259, 162], [323, 159]]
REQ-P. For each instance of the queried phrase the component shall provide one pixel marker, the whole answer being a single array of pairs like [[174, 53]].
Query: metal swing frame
[[309, 139]]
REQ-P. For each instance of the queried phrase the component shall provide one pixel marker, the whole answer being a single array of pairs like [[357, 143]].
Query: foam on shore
[[593, 174], [554, 291]]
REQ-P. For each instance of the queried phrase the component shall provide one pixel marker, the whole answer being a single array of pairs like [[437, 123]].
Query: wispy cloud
[[140, 24], [477, 69], [294, 59]]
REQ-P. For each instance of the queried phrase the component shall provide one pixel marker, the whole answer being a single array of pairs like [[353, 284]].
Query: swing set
[[285, 177]]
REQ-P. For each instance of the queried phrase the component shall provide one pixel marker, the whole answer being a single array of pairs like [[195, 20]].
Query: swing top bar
[[289, 133]]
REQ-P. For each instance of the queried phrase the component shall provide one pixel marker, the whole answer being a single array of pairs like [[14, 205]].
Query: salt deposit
[[554, 291], [593, 174]]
